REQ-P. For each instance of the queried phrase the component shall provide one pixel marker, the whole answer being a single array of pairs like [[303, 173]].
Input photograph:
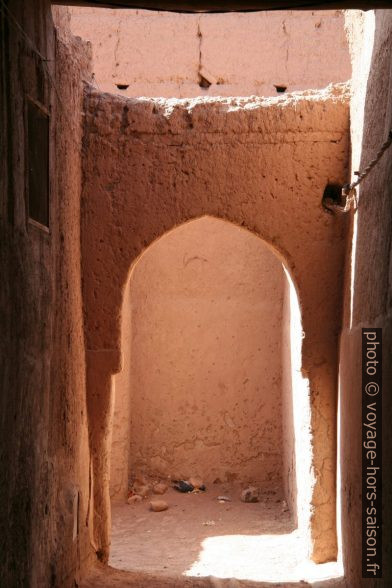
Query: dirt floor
[[199, 537]]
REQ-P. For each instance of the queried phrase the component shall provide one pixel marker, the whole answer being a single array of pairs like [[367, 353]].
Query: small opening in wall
[[203, 82], [122, 86], [38, 163], [332, 196], [280, 89]]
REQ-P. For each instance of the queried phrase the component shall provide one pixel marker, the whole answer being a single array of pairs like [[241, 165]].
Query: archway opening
[[211, 393]]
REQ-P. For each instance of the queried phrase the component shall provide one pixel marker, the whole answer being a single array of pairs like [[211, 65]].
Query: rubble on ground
[[250, 494], [158, 505]]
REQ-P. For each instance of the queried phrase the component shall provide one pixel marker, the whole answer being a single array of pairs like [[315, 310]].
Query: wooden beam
[[230, 5]]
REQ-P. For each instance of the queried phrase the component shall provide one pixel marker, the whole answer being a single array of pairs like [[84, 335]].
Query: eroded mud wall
[[164, 54], [368, 279], [120, 434], [263, 164], [289, 458], [44, 445]]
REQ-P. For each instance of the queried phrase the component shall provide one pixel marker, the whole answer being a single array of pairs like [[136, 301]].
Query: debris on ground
[[194, 485], [182, 486], [158, 505], [196, 482], [141, 489], [197, 490], [134, 499], [250, 494], [160, 488], [141, 479], [224, 499]]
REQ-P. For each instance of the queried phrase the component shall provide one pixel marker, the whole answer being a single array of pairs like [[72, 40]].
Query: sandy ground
[[199, 538]]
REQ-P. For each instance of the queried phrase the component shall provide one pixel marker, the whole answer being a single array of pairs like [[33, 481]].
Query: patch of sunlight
[[269, 558]]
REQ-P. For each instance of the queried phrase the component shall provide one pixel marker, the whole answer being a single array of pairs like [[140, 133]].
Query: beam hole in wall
[[280, 89], [203, 82], [211, 387], [122, 86], [332, 196]]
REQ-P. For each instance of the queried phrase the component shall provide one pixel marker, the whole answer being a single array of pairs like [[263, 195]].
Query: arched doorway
[[148, 197], [211, 338]]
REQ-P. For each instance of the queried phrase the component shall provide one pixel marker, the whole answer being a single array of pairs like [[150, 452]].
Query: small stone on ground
[[158, 505], [250, 494], [160, 488], [134, 499]]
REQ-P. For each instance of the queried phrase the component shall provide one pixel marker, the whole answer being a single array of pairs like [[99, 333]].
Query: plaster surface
[[151, 165], [163, 54], [44, 486], [291, 462], [368, 275], [121, 421]]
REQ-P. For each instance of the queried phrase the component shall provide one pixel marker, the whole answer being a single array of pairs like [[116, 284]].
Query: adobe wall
[[150, 166], [289, 457], [368, 280], [44, 500], [206, 358], [162, 54], [121, 419]]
